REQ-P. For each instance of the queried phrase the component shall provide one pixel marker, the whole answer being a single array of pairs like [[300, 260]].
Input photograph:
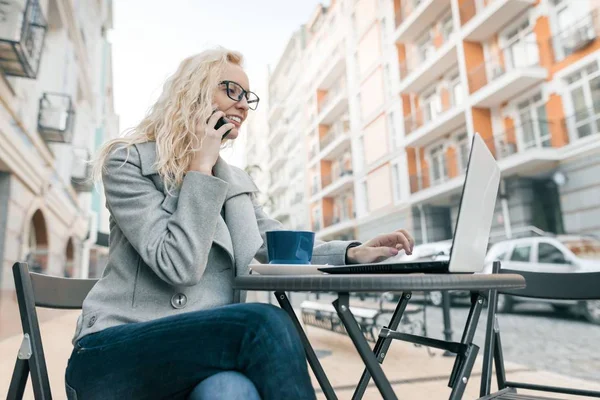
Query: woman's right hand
[[206, 156]]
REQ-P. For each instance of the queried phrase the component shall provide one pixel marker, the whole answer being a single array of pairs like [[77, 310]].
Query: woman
[[163, 321]]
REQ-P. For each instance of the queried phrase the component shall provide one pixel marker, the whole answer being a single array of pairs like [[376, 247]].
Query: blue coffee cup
[[290, 247]]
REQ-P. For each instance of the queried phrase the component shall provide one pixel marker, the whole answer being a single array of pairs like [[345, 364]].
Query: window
[[534, 123], [584, 89], [574, 25], [431, 106], [549, 254], [447, 26], [425, 47], [439, 171], [388, 82], [456, 90], [464, 147], [520, 48], [392, 129], [396, 182], [521, 253]]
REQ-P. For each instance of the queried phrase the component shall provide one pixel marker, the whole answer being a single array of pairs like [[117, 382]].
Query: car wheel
[[436, 298], [591, 311], [505, 304]]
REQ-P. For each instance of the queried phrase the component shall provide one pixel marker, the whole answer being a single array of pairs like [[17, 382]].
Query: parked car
[[555, 254]]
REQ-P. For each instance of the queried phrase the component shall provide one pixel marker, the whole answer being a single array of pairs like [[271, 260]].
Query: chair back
[[38, 290]]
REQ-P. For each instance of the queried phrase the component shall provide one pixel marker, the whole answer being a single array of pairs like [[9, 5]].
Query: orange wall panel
[[482, 124], [544, 40], [424, 169], [369, 49], [372, 93], [376, 140], [379, 186], [451, 163], [474, 60], [509, 129], [556, 115]]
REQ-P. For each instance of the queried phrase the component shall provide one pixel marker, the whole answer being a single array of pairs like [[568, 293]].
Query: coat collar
[[238, 180]]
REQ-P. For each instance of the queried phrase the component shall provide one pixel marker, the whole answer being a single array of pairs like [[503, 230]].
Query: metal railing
[[22, 34], [336, 131], [329, 179], [501, 61], [337, 89], [55, 117], [81, 171], [424, 115], [414, 59], [576, 37]]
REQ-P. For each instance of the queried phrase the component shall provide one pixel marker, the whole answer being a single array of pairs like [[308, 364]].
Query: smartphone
[[222, 121]]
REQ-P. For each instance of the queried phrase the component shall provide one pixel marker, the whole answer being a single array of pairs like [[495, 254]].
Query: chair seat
[[510, 394]]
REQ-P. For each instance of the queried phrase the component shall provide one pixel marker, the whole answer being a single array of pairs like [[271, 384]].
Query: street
[[534, 335]]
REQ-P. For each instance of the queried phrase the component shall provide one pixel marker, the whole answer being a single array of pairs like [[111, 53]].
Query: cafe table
[[479, 285]]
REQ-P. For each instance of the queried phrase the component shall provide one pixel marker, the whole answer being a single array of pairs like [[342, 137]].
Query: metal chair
[[37, 290], [540, 285]]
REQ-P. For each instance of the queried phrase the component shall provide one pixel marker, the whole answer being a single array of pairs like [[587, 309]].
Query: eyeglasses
[[236, 92]]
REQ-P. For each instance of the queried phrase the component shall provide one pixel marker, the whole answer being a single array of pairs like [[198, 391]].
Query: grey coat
[[175, 253]]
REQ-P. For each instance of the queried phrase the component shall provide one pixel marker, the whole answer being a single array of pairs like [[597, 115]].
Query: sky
[[151, 37]]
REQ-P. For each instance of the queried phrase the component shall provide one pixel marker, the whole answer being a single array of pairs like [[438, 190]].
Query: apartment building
[[56, 109], [396, 89], [286, 140]]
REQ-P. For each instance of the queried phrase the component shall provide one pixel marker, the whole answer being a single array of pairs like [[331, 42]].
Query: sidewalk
[[414, 374]]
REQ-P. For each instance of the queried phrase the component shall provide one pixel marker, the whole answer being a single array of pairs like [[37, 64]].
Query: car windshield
[[584, 247]]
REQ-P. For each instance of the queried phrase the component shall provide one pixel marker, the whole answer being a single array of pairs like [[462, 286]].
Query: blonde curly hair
[[186, 99]]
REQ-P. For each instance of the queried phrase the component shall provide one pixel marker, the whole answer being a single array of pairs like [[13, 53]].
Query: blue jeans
[[230, 385], [169, 357]]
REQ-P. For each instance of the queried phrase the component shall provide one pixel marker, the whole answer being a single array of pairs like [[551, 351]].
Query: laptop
[[473, 224]]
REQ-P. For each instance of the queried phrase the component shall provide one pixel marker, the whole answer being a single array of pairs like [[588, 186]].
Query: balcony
[[505, 74], [81, 177], [332, 68], [55, 118], [334, 185], [334, 225], [417, 73], [22, 33], [275, 109], [427, 125], [523, 150], [277, 134], [577, 37], [277, 159], [279, 185], [481, 19], [414, 15], [333, 104], [335, 142]]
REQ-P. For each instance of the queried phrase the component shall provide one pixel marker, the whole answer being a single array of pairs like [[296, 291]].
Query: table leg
[[342, 307], [382, 345], [461, 368], [313, 361]]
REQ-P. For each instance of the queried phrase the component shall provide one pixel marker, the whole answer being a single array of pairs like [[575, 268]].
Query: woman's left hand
[[381, 247]]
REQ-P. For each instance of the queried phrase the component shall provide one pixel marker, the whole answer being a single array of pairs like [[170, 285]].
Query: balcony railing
[[329, 179], [81, 178], [583, 123], [407, 7], [519, 55], [22, 32], [577, 37], [335, 132], [332, 94], [424, 115], [415, 57], [55, 117]]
